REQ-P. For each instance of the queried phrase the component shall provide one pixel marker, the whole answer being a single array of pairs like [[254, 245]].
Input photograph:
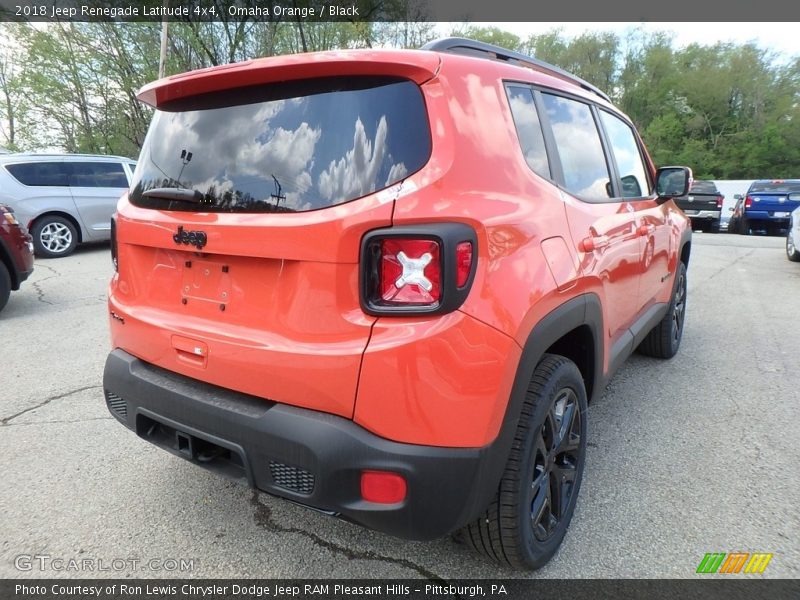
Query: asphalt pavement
[[689, 456]]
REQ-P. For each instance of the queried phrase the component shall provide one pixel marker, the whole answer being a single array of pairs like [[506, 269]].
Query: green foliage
[[79, 82], [13, 109], [726, 110], [489, 35]]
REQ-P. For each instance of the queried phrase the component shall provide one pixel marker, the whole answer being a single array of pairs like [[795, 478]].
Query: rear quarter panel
[[96, 205], [30, 202], [456, 390], [480, 177]]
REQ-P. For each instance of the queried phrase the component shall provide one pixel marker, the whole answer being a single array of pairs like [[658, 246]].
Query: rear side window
[[288, 147], [97, 174], [40, 174], [629, 159], [529, 130], [579, 148], [775, 187]]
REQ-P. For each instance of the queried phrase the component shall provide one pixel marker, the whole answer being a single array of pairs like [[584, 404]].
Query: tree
[[489, 35], [12, 107], [726, 110]]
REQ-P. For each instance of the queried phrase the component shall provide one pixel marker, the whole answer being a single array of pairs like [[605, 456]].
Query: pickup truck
[[767, 205], [703, 205]]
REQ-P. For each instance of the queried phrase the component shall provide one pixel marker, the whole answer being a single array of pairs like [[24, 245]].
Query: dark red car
[[16, 254]]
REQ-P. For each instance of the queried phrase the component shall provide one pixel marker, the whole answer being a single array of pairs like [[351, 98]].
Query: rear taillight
[[411, 271], [114, 259], [720, 200], [748, 202], [8, 214], [418, 269], [463, 263]]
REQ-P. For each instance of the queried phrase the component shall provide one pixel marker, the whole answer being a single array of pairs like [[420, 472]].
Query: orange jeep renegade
[[385, 283]]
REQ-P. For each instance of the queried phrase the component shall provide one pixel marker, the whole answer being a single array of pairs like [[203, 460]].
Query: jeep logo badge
[[195, 238]]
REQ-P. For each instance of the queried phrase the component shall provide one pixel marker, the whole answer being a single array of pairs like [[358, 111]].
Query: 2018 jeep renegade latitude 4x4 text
[[385, 284]]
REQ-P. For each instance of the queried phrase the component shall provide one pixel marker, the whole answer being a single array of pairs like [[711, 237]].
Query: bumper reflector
[[383, 487]]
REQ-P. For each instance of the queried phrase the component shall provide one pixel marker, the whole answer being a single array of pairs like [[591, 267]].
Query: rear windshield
[[704, 187], [775, 187], [283, 148]]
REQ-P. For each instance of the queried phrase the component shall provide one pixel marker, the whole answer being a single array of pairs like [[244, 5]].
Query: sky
[[782, 38]]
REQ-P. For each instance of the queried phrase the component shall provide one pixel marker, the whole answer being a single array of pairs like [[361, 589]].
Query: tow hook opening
[[195, 449]]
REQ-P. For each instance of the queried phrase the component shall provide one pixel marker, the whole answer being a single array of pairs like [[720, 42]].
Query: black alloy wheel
[[664, 339], [528, 517], [679, 308], [555, 465]]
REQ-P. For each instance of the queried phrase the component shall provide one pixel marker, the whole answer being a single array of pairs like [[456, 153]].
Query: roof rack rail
[[456, 45]]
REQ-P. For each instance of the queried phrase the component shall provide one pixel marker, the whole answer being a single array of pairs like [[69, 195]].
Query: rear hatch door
[[238, 245]]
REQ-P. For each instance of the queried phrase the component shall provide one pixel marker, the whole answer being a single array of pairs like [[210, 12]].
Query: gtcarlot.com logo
[[46, 562], [734, 562]]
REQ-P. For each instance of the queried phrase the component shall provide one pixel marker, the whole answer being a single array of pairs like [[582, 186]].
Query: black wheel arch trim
[[686, 238], [583, 310]]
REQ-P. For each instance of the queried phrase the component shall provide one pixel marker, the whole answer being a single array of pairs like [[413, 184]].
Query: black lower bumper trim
[[309, 457]]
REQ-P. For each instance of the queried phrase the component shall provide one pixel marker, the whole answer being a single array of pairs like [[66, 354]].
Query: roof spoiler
[[409, 64]]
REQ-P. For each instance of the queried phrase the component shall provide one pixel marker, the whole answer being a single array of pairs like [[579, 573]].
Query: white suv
[[793, 234], [64, 199]]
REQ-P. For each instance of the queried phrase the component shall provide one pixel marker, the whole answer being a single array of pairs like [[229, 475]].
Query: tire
[[5, 286], [714, 226], [522, 528], [54, 236], [744, 226], [664, 339], [791, 250]]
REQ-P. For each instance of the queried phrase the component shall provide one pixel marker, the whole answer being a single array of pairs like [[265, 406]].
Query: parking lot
[[694, 455]]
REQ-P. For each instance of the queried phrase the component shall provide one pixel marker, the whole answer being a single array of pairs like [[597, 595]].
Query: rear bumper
[[26, 262], [312, 458], [707, 215], [772, 216], [23, 275], [20, 250]]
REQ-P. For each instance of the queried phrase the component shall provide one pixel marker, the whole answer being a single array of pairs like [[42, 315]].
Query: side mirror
[[737, 196], [631, 187], [673, 181]]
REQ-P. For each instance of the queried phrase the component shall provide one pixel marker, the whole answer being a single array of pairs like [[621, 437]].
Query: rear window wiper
[[179, 194]]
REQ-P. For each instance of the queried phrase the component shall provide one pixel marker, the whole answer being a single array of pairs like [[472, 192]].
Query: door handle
[[590, 244], [193, 352]]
